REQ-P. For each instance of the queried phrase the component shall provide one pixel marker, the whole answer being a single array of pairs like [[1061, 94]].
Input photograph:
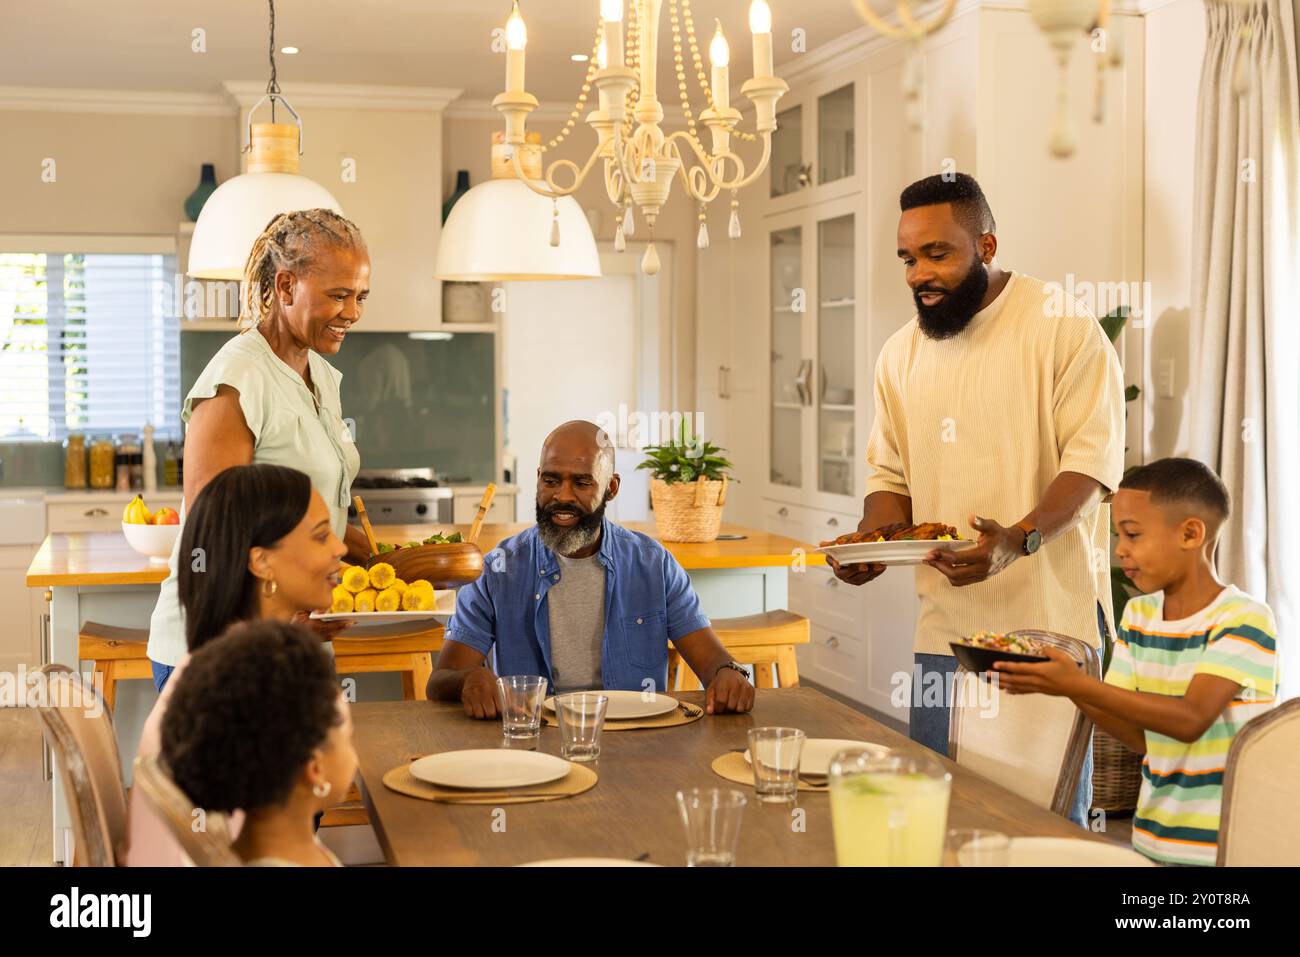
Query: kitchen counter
[[104, 558]]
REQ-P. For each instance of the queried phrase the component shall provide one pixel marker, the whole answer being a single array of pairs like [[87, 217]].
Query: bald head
[[579, 443]]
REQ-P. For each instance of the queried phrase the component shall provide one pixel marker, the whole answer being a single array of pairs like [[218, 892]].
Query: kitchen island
[[96, 576]]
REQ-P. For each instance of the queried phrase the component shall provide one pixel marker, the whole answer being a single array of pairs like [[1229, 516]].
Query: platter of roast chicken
[[901, 543]]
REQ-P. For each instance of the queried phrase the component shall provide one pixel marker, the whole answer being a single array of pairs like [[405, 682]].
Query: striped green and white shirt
[[1234, 637]]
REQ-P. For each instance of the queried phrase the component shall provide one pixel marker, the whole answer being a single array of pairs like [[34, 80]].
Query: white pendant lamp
[[498, 231], [240, 208]]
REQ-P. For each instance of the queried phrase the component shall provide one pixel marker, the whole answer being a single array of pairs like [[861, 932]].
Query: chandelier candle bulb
[[516, 40], [720, 57], [760, 22], [611, 11]]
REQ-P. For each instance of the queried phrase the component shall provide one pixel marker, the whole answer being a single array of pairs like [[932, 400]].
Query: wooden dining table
[[632, 810]]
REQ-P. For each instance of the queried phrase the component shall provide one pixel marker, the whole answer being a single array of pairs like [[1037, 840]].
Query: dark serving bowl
[[982, 659], [445, 566]]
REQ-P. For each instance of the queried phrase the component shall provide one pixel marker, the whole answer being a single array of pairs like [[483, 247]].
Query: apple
[[166, 516]]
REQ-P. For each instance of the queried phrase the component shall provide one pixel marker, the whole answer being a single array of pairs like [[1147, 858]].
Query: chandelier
[[1061, 20], [638, 159]]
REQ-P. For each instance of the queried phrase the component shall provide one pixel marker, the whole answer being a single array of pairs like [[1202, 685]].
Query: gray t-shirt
[[576, 605]]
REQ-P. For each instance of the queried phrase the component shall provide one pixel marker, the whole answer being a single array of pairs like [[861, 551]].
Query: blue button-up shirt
[[649, 601]]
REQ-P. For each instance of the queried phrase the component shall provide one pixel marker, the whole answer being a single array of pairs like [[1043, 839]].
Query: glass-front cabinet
[[815, 146], [817, 381]]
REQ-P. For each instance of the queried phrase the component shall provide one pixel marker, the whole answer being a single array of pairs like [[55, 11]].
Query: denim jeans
[[161, 675], [927, 723]]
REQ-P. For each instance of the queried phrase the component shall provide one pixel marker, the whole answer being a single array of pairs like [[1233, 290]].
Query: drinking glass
[[888, 810], [976, 847], [774, 756], [711, 817], [581, 717], [521, 705]]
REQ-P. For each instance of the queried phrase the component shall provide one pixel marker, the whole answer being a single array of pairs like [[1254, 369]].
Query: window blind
[[90, 344]]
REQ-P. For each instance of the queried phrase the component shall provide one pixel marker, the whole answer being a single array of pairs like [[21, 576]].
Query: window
[[89, 343]]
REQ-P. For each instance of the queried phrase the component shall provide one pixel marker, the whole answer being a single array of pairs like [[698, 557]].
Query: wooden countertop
[[104, 558]]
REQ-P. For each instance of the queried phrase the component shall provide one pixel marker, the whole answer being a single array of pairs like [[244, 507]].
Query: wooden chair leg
[[408, 684], [787, 667], [763, 675], [421, 669], [108, 670], [690, 680]]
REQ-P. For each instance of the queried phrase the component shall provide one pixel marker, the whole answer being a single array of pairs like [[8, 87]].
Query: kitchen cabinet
[[465, 507], [22, 529], [102, 511]]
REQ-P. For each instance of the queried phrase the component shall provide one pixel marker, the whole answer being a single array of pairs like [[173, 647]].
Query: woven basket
[[1116, 774], [688, 511]]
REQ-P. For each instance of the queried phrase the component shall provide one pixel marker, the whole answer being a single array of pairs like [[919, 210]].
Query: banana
[[135, 512]]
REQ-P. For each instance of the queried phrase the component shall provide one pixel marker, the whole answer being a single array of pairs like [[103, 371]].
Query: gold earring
[[269, 587]]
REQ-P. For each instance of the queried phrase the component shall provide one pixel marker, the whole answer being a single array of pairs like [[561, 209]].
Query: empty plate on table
[[905, 552], [815, 758], [589, 862], [1072, 852], [485, 769], [630, 704]]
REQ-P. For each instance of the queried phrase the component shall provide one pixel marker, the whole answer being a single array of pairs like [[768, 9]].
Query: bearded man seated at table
[[584, 602]]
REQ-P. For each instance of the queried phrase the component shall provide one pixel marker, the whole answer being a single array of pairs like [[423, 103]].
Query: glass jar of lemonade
[[888, 810]]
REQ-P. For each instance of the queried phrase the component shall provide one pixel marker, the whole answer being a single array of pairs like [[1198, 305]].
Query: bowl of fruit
[[151, 533], [446, 561]]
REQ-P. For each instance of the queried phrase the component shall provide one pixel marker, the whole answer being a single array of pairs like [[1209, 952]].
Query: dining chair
[[1257, 822], [208, 845], [1031, 744], [765, 640], [79, 728]]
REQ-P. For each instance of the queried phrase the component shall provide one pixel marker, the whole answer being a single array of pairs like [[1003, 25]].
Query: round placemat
[[579, 779], [734, 767], [672, 719]]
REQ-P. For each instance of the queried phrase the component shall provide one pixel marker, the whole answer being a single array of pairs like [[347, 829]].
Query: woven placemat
[[734, 767], [579, 779], [672, 719]]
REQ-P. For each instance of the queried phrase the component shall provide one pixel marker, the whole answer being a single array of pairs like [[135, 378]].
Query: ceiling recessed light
[[579, 58], [290, 51]]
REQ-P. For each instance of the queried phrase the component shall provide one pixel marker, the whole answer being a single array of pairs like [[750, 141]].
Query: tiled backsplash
[[417, 403]]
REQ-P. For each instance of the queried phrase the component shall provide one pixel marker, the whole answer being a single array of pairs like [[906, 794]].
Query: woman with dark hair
[[270, 396], [258, 544], [260, 675]]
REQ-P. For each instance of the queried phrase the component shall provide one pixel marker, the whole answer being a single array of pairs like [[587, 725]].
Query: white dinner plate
[[589, 862], [630, 704], [1072, 852], [890, 553], [815, 758], [485, 769]]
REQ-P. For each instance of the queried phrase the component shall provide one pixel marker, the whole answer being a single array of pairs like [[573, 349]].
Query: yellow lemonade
[[889, 819]]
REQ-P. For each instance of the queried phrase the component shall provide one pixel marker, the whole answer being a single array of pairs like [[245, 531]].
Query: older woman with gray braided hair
[[269, 395]]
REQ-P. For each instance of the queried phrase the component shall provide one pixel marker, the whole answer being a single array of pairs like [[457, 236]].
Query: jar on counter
[[130, 462], [74, 462], [103, 462]]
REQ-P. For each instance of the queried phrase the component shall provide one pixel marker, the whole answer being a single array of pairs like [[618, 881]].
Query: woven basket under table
[[1116, 774]]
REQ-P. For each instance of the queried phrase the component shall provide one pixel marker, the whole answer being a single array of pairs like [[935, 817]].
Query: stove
[[402, 497]]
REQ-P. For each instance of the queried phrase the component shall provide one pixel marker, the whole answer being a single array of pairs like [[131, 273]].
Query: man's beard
[[574, 538], [953, 313]]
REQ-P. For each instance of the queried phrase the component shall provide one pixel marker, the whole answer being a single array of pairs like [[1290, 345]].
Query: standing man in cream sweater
[[1002, 414]]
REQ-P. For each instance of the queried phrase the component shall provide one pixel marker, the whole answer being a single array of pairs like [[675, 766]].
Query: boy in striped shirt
[[1194, 660]]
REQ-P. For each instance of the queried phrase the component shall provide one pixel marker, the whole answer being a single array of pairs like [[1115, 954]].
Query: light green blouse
[[290, 426]]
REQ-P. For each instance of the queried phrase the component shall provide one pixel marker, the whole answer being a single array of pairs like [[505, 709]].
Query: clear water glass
[[977, 847], [581, 717], [712, 818], [521, 705], [774, 755]]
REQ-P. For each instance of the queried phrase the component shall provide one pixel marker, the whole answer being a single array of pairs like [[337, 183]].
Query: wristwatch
[[734, 667], [1033, 537]]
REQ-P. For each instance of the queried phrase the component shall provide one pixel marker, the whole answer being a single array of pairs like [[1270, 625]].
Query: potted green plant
[[1116, 771], [688, 487]]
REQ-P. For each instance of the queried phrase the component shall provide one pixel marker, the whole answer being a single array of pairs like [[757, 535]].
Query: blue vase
[[207, 184]]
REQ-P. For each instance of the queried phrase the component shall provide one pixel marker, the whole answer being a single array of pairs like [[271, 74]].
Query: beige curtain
[[1245, 417]]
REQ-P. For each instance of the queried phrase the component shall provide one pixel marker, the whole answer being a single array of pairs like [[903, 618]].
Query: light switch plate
[[1165, 378]]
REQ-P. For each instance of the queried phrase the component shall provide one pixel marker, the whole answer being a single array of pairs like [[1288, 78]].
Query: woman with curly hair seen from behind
[[260, 675]]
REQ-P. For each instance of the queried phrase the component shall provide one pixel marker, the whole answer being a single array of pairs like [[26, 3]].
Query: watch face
[[1032, 541]]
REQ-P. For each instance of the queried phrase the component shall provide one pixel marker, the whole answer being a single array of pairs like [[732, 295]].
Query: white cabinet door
[[20, 636], [465, 507]]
